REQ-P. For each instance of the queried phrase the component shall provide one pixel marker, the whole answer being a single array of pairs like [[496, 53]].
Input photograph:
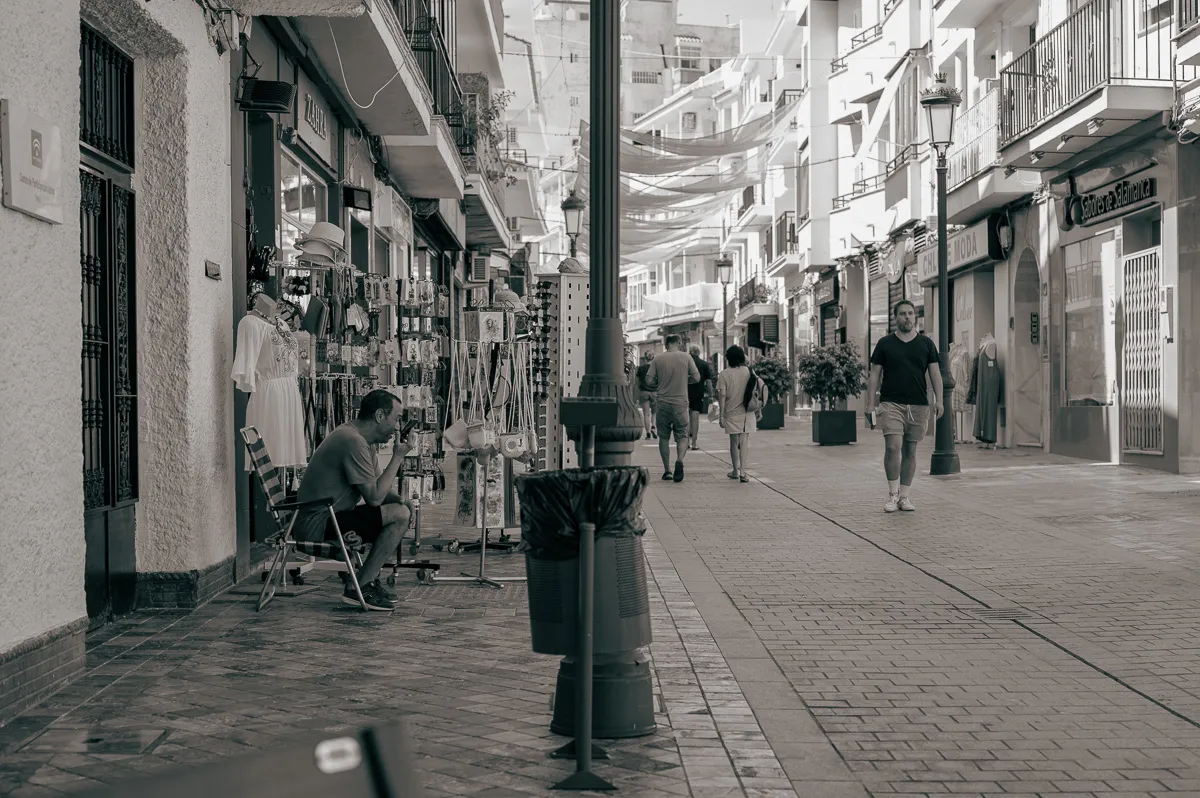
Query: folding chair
[[348, 548]]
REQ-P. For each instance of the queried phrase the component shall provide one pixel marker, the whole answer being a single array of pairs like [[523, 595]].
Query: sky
[[723, 12]]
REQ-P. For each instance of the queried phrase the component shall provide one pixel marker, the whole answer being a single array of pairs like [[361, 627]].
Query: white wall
[[41, 458], [185, 515]]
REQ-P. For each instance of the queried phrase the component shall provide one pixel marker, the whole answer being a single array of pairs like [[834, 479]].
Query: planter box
[[772, 416], [834, 427]]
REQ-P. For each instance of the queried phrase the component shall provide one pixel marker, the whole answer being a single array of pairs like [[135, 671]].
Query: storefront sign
[[964, 309], [893, 264], [31, 159], [825, 291], [979, 243], [314, 125], [1121, 196]]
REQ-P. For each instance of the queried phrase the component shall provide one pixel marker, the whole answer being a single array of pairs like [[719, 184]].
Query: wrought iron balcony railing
[[868, 184], [866, 35], [979, 132], [908, 153], [785, 235], [791, 95], [1103, 42], [437, 68], [1187, 14]]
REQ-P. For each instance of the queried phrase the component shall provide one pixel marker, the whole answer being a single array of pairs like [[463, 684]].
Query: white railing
[[694, 298], [979, 132]]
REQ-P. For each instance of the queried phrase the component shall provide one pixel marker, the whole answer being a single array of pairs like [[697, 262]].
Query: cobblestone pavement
[[170, 688], [1031, 630]]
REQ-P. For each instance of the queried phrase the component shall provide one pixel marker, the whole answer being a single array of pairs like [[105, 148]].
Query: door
[[1141, 405], [1025, 403], [108, 308]]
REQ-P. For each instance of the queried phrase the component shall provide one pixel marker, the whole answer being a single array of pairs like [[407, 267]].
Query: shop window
[[879, 312], [303, 202], [1089, 356]]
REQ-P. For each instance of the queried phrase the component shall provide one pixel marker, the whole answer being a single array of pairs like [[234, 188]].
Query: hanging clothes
[[960, 370], [987, 391], [266, 366]]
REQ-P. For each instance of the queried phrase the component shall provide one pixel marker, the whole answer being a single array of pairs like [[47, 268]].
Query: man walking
[[669, 376], [698, 396], [900, 366]]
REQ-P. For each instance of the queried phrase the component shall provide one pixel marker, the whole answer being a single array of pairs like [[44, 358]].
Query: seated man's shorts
[[364, 520]]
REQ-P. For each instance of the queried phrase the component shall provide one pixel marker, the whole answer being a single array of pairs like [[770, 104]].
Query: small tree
[[776, 374], [831, 374]]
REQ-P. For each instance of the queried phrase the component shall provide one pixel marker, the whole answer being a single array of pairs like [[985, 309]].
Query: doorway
[[1025, 402]]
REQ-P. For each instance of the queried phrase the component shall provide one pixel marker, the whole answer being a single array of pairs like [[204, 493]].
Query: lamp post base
[[944, 464], [945, 458]]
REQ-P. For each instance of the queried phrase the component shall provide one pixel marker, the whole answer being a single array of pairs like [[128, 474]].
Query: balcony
[[785, 246], [977, 182], [685, 76], [1187, 37], [431, 165], [372, 41], [695, 302], [874, 52], [481, 37], [755, 300], [788, 96], [1094, 75], [487, 175], [952, 14], [751, 208]]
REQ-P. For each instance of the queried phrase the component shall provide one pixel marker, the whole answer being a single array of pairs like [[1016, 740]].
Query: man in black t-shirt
[[900, 366]]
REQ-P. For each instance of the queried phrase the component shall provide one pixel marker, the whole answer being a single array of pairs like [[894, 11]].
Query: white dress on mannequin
[[266, 366]]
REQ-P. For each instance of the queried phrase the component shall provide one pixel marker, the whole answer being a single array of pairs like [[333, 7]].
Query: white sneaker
[[906, 505], [892, 504]]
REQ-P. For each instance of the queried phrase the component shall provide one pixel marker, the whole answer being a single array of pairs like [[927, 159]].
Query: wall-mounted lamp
[[1034, 157], [1009, 171], [264, 96], [1094, 125]]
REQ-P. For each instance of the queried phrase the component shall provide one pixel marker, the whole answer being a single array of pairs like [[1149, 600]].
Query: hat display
[[325, 243]]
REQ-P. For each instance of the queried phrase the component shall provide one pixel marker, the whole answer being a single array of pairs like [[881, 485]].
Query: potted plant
[[779, 380], [831, 375]]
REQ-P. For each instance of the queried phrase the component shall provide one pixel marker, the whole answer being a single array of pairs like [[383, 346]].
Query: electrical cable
[[346, 83]]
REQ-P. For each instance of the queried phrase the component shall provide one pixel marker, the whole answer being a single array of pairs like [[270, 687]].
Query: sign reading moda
[[979, 243]]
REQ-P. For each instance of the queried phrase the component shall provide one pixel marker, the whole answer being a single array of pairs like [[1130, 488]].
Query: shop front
[[1111, 296], [971, 260]]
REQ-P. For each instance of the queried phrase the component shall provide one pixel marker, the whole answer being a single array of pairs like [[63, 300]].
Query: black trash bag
[[555, 503]]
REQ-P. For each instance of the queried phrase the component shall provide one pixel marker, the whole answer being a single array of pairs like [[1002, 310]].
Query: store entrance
[[1025, 413], [109, 315]]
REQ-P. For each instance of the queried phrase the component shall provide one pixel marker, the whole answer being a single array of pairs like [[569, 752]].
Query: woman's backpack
[[752, 398]]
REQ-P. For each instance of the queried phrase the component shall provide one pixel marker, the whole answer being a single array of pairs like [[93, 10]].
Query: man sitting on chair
[[344, 468]]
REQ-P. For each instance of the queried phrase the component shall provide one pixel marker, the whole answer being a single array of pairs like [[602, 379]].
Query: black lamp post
[[572, 208], [724, 275], [941, 101]]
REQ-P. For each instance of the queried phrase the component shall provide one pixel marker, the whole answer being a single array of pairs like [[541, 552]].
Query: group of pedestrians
[[904, 397], [676, 388]]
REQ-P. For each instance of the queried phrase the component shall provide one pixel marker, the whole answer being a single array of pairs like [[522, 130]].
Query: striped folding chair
[[348, 548]]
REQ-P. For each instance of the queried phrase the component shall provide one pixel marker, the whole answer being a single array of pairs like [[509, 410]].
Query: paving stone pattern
[[901, 634], [169, 688]]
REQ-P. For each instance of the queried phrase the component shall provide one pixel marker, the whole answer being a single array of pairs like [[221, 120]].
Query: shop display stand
[[482, 577]]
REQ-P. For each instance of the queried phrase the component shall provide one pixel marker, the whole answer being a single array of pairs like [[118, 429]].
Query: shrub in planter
[[779, 381], [832, 374]]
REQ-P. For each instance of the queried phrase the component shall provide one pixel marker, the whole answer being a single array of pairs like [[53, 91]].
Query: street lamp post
[[572, 208], [724, 275], [941, 101]]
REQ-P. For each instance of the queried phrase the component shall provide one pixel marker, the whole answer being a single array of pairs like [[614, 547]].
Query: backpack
[[752, 398], [643, 371]]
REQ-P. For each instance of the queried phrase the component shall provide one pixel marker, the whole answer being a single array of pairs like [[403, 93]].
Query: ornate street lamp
[[724, 276], [572, 208], [941, 102]]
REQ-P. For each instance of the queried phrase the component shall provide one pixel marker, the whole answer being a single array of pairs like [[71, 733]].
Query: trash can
[[553, 504]]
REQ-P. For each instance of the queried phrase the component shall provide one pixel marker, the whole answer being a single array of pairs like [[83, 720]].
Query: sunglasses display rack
[[561, 304]]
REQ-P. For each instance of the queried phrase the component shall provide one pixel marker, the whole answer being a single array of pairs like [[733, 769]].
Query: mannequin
[[987, 389], [266, 366]]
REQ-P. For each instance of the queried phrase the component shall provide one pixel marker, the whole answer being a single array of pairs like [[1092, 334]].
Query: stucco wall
[[185, 514], [41, 459]]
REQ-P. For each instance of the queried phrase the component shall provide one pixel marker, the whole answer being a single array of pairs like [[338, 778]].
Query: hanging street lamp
[[941, 103]]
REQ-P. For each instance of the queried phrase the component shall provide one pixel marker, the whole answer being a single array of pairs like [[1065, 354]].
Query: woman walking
[[737, 423], [645, 396]]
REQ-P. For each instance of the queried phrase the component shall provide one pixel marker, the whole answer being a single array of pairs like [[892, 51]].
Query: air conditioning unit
[[481, 268], [514, 224]]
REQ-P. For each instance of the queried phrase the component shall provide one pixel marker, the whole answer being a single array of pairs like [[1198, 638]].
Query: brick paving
[[1031, 630], [173, 688]]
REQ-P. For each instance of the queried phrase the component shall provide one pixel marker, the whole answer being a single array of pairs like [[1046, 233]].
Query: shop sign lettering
[[316, 116], [1121, 195], [964, 309], [824, 293], [976, 244]]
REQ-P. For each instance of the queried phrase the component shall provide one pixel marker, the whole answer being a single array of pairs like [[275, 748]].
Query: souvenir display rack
[[491, 397], [560, 327]]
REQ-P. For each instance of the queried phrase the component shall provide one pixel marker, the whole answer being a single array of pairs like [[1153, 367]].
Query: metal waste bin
[[553, 504]]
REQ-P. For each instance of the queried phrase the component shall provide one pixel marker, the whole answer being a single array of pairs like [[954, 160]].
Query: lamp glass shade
[[572, 209], [941, 102], [724, 270]]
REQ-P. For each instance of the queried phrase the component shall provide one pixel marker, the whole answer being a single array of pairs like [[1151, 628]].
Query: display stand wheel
[[391, 580], [426, 577], [453, 547], [297, 576]]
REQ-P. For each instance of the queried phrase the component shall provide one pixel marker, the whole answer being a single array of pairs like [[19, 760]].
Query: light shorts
[[911, 421], [672, 420]]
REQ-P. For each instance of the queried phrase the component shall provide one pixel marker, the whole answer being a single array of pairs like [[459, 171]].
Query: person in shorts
[[344, 468], [669, 376], [898, 393]]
